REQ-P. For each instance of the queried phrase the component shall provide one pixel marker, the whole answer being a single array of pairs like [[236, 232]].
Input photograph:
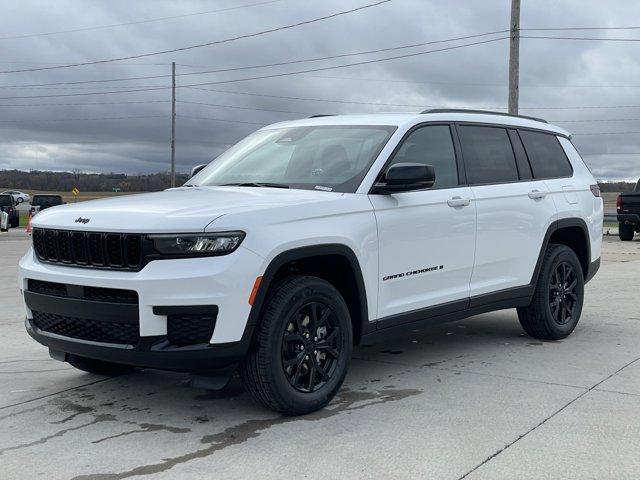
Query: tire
[[546, 319], [277, 372], [20, 200], [625, 232], [99, 367]]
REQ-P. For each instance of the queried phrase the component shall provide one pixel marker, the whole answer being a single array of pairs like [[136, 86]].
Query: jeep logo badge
[[82, 220]]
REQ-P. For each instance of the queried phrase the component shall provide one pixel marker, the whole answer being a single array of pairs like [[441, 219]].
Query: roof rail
[[484, 112], [323, 115]]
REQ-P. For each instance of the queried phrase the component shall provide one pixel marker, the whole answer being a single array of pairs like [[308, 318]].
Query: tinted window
[[488, 155], [433, 146], [46, 200], [6, 201], [546, 156]]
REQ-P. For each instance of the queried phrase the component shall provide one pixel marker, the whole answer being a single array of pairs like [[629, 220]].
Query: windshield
[[49, 200], [328, 158]]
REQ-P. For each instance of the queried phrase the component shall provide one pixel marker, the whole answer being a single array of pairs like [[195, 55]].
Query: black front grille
[[96, 294], [117, 251], [190, 329], [84, 329]]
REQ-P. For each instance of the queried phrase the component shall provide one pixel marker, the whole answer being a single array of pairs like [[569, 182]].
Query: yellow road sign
[[75, 191]]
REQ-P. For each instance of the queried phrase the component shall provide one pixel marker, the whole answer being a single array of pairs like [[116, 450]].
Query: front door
[[427, 237]]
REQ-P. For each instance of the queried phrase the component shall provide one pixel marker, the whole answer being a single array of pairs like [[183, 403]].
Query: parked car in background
[[8, 204], [20, 197], [628, 207], [42, 202]]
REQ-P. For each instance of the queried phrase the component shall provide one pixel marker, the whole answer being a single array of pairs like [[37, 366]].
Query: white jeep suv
[[311, 236]]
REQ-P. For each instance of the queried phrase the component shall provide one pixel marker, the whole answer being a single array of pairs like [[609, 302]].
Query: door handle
[[536, 194], [458, 202]]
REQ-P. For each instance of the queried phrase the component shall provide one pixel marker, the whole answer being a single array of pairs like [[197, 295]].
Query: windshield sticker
[[323, 188]]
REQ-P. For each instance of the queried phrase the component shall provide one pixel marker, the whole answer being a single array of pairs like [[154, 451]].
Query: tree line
[[86, 182], [152, 182]]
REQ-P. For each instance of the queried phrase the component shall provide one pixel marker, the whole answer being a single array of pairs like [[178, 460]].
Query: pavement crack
[[346, 401], [145, 428], [97, 419], [561, 409]]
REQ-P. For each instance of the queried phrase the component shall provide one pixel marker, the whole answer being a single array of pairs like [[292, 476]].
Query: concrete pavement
[[474, 399]]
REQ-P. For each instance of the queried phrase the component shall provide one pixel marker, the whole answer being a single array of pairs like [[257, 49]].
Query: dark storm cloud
[[553, 74]]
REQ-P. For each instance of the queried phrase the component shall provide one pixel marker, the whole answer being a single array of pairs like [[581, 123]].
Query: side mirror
[[195, 170], [404, 177]]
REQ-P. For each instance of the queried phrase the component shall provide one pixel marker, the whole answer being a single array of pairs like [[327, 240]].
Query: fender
[[307, 252], [554, 227]]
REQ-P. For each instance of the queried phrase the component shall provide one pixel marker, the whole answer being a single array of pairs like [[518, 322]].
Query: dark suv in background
[[45, 201], [628, 209], [8, 205]]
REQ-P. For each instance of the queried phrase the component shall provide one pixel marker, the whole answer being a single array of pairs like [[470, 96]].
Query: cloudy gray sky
[[73, 127]]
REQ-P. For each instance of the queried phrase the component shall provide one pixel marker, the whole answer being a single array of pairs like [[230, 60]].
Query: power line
[[274, 75], [546, 37], [219, 120], [138, 22], [608, 153], [81, 104], [264, 65], [579, 28], [597, 120], [207, 44], [245, 108], [55, 120]]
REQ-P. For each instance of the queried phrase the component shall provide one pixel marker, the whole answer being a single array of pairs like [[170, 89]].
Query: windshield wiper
[[255, 184]]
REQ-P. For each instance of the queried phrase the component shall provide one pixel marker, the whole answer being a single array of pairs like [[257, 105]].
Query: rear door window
[[488, 154], [546, 156]]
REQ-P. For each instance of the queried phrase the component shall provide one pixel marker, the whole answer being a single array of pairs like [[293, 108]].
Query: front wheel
[[557, 301], [625, 232], [302, 349]]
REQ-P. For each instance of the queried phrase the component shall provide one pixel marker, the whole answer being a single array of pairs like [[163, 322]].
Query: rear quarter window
[[6, 201], [546, 156]]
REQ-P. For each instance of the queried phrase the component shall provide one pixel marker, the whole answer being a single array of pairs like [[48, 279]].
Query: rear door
[[426, 238], [513, 209]]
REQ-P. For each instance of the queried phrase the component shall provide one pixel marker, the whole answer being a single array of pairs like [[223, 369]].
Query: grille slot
[[84, 329], [101, 250], [114, 295], [95, 294], [185, 330], [48, 288]]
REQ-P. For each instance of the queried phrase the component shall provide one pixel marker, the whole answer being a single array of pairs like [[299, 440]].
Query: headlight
[[197, 243]]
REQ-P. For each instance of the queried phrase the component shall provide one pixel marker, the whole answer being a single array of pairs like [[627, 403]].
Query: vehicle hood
[[185, 209]]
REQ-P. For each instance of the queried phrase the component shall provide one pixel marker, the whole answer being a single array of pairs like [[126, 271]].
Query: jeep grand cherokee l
[[311, 236]]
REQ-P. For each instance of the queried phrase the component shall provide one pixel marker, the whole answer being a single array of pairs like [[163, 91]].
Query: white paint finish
[[419, 230], [510, 230]]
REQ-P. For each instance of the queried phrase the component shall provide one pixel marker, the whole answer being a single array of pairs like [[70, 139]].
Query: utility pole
[[514, 58], [173, 124]]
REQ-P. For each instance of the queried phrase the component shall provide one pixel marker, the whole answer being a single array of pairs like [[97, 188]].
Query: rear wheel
[[98, 367], [625, 232], [303, 347], [557, 301]]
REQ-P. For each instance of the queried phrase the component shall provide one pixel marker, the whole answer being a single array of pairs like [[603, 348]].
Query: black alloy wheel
[[311, 347], [562, 293]]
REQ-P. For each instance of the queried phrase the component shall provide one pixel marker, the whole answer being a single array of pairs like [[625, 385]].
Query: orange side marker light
[[254, 290]]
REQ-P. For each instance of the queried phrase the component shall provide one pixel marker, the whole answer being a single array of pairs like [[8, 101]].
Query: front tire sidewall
[[316, 290]]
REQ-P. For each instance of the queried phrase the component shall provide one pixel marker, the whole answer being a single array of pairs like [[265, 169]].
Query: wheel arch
[[317, 260], [574, 233]]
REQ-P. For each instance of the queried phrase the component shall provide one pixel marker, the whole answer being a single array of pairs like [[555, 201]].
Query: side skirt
[[448, 312]]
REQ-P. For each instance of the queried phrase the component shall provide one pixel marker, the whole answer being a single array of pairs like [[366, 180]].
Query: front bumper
[[224, 282], [152, 352]]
